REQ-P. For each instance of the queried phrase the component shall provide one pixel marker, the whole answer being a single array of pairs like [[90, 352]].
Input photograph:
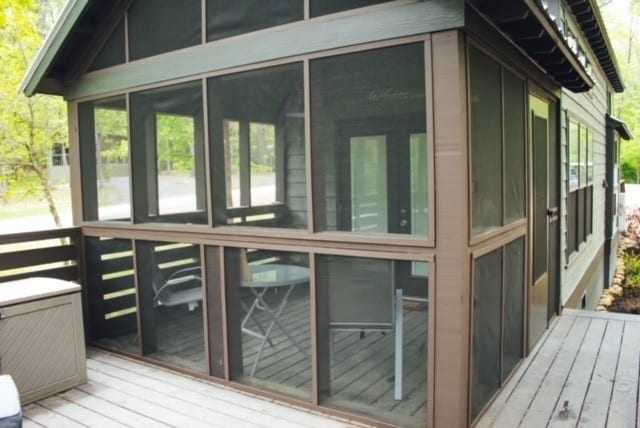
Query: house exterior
[[370, 207]]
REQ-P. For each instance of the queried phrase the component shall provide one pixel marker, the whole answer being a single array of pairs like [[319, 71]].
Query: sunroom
[[264, 188]]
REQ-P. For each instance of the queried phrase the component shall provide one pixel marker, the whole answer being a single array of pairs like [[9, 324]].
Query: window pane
[[513, 305], [486, 143], [588, 222], [226, 18], [324, 7], [104, 148], [540, 135], [167, 129], [111, 294], [419, 186], [259, 171], [169, 280], [572, 222], [514, 147], [368, 125], [487, 299], [159, 26], [371, 312], [262, 142], [574, 155], [368, 184], [269, 319], [583, 155], [590, 156], [581, 217]]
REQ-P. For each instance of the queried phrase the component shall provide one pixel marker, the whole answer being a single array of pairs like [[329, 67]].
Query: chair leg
[[398, 325]]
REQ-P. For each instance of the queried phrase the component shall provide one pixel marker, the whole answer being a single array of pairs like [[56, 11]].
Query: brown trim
[[225, 322], [136, 285], [503, 240], [205, 309], [75, 175], [481, 239], [431, 343], [207, 154], [263, 64], [313, 292], [203, 235], [452, 300], [430, 140], [40, 235], [126, 36], [307, 142]]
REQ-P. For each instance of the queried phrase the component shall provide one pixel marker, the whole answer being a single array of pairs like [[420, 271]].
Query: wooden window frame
[[583, 192]]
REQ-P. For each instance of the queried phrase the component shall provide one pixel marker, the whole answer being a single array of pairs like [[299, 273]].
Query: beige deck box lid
[[29, 289]]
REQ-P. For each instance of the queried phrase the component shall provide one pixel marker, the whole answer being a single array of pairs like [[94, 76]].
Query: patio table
[[267, 277]]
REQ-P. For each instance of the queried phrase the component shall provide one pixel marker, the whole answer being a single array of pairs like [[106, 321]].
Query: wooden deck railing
[[53, 253]]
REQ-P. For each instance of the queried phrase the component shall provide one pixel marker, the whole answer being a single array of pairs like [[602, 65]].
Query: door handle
[[552, 212]]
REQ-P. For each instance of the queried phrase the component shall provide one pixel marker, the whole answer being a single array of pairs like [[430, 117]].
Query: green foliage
[[623, 26], [28, 126], [175, 143], [632, 270]]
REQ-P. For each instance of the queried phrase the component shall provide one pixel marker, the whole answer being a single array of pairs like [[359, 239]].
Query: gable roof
[[85, 24], [80, 31]]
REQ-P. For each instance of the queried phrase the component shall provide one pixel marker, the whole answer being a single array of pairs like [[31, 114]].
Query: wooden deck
[[362, 367], [585, 372], [126, 393]]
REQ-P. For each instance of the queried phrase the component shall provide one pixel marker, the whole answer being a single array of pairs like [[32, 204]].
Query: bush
[[632, 269]]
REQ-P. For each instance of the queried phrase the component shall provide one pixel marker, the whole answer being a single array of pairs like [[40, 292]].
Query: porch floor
[[585, 372], [361, 365], [122, 392]]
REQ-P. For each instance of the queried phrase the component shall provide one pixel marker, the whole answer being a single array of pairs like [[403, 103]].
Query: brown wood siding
[[452, 292]]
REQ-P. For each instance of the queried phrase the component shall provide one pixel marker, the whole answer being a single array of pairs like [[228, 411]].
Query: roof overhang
[[36, 78], [619, 126], [529, 25], [592, 25]]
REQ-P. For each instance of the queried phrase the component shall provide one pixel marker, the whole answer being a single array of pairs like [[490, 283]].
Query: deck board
[[589, 361], [596, 404], [547, 395], [623, 411], [361, 368], [575, 391], [123, 392]]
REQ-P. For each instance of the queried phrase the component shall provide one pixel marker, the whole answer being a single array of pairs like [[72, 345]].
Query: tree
[[29, 127], [623, 22]]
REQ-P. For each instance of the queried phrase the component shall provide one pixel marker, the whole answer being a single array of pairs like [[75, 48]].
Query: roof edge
[[620, 126], [614, 76], [51, 46]]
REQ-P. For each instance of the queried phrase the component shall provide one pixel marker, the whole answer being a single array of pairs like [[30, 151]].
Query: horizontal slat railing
[[53, 253]]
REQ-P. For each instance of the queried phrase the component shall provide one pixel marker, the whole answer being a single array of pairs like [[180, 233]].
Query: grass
[[23, 201]]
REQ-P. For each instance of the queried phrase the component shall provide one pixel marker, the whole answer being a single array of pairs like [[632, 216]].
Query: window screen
[[256, 127], [324, 7], [513, 305], [167, 131], [514, 147], [159, 26], [112, 52], [229, 18], [486, 142], [368, 137], [487, 299]]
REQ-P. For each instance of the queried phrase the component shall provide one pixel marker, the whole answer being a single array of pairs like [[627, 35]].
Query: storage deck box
[[41, 336]]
